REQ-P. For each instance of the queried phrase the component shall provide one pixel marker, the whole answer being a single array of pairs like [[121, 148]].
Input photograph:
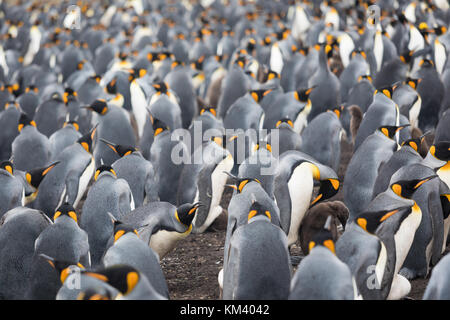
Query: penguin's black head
[[161, 87], [122, 277], [97, 293], [445, 202], [122, 228], [406, 57], [412, 82], [303, 94], [366, 77], [370, 221], [73, 123], [24, 120], [251, 45], [337, 110], [198, 64], [285, 120], [388, 91], [256, 209], [414, 143], [218, 139], [241, 61], [186, 213], [62, 267], [12, 103], [158, 126], [104, 168], [66, 209], [267, 41], [163, 55], [96, 78], [100, 106], [176, 63], [69, 95], [240, 183], [80, 65], [328, 188], [35, 176], [271, 75], [32, 88], [441, 150], [210, 109], [323, 238], [440, 30], [426, 63], [360, 52], [121, 150], [13, 88], [7, 166], [406, 188], [135, 74], [390, 131], [87, 140], [258, 95], [111, 87]]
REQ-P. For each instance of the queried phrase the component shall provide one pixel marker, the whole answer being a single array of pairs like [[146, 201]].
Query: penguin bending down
[[19, 229], [258, 264], [107, 194], [204, 182], [321, 275], [70, 178], [161, 225], [294, 183], [126, 247], [438, 158], [63, 240]]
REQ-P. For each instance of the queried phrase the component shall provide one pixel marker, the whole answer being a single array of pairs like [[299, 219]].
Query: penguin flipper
[[437, 223], [283, 200], [72, 184]]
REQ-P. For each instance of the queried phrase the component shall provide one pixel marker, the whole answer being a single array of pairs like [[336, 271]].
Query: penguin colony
[[93, 93]]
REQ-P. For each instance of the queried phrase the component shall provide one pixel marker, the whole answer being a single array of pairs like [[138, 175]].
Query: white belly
[[218, 181], [414, 113], [84, 181], [165, 241], [139, 106], [381, 263], [300, 190], [444, 174]]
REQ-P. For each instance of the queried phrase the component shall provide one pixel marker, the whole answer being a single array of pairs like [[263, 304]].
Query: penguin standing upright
[[168, 168], [321, 275], [63, 240], [259, 268], [114, 125], [9, 120], [107, 194], [294, 183], [63, 138], [12, 195], [288, 139], [24, 225], [362, 171], [128, 248], [137, 171], [326, 151], [70, 178], [50, 115], [30, 149]]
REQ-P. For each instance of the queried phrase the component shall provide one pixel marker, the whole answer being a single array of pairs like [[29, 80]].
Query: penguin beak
[[425, 180]]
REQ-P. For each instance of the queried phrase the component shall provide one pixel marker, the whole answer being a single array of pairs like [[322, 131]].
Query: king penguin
[[63, 138], [258, 266], [70, 178], [63, 240], [439, 283], [12, 195], [9, 120], [137, 171], [321, 275], [162, 225], [294, 183], [30, 149], [127, 248], [107, 194], [19, 229]]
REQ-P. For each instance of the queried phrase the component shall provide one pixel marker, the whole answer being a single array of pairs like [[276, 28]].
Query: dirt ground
[[191, 269]]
